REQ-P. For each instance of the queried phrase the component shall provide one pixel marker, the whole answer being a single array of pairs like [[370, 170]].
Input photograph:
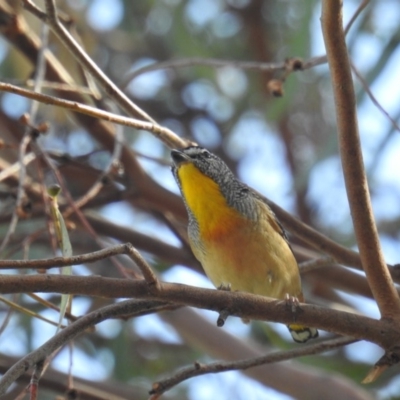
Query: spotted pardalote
[[234, 233]]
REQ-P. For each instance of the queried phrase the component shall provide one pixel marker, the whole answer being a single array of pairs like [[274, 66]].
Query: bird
[[234, 234]]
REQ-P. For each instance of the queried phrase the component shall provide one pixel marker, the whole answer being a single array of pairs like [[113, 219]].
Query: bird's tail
[[301, 334]]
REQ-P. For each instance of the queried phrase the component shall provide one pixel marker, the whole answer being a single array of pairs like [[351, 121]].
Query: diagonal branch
[[352, 161], [84, 60], [374, 100], [162, 133], [201, 369]]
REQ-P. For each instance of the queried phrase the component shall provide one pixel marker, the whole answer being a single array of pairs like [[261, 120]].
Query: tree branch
[[202, 334], [163, 134], [240, 304], [201, 369], [49, 263], [84, 60], [352, 161]]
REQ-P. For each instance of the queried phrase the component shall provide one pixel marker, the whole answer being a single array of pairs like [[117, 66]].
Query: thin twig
[[7, 316], [352, 161], [147, 272], [49, 263], [52, 306], [20, 191], [246, 65], [361, 7], [58, 86], [208, 62], [201, 369], [316, 263], [373, 98], [164, 134], [14, 168], [112, 164], [379, 150], [39, 76]]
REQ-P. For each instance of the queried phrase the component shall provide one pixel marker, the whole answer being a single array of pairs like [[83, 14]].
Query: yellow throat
[[208, 205]]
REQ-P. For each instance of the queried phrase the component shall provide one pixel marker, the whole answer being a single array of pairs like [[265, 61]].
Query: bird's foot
[[225, 286], [292, 302], [224, 314]]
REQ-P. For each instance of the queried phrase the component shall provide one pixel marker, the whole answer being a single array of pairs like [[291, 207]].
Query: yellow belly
[[249, 256]]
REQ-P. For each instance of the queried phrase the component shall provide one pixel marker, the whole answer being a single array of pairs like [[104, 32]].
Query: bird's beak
[[179, 157]]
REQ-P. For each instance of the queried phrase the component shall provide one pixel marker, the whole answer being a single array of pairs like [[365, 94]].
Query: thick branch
[[240, 304], [353, 168]]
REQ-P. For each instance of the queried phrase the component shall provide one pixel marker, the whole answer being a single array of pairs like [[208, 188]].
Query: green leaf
[[64, 244]]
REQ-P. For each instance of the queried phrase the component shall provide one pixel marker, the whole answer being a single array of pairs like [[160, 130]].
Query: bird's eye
[[206, 154]]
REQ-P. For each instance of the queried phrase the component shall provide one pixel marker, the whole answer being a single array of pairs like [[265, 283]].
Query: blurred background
[[285, 147]]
